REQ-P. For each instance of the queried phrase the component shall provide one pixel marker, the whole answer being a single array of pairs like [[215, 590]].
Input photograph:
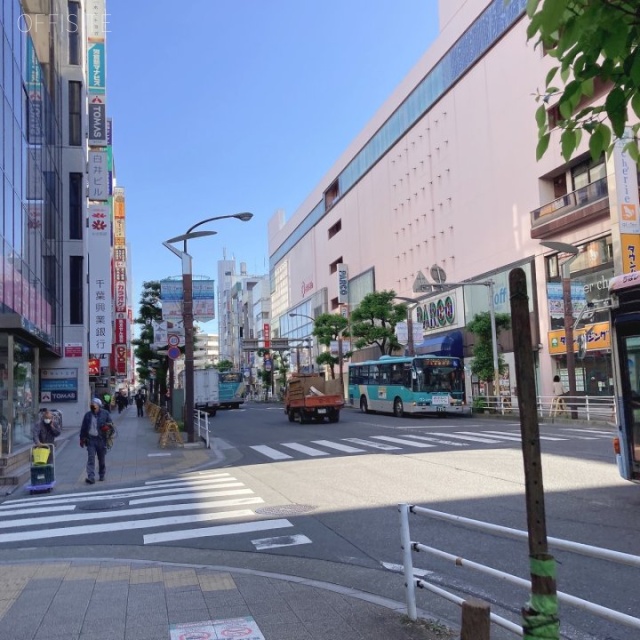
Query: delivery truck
[[310, 397], [206, 390]]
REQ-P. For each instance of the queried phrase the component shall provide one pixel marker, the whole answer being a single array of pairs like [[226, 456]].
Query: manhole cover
[[102, 506], [285, 510]]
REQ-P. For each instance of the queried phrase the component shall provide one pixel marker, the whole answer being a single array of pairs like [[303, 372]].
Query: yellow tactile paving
[[83, 572], [216, 581], [141, 576], [53, 570], [113, 574], [183, 578]]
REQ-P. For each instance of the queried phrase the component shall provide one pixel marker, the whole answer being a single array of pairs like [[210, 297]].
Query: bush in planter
[[479, 404]]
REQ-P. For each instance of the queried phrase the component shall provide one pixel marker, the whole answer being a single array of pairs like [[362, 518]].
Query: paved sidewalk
[[45, 598]]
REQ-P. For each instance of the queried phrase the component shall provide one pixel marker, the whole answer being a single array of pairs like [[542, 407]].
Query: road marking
[[421, 445], [604, 434], [472, 438], [274, 454], [310, 451], [439, 441], [375, 445], [336, 445], [157, 455], [44, 509], [519, 438], [493, 434], [125, 525], [280, 541], [193, 495], [213, 477], [400, 569], [220, 530], [127, 513]]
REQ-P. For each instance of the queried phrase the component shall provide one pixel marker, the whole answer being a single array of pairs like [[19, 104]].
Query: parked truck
[[206, 390], [310, 397]]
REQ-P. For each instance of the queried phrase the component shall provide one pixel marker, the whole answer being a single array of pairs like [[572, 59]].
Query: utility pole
[[540, 616]]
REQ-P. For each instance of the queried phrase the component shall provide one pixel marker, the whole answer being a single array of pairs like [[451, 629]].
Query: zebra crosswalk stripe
[[375, 445], [270, 452], [470, 438], [550, 438], [310, 451], [340, 447], [421, 445]]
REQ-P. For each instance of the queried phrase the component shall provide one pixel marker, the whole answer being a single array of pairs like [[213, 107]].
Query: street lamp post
[[565, 273], [293, 314], [187, 310]]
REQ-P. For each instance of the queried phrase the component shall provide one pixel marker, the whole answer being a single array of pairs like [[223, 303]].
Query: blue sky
[[222, 106]]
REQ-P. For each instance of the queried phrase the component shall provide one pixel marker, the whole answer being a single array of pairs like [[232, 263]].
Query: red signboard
[[73, 350], [94, 366], [121, 359], [121, 331], [121, 297], [266, 331]]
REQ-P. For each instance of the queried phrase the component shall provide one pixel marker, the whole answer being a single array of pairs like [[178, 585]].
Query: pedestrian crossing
[[195, 505], [408, 442]]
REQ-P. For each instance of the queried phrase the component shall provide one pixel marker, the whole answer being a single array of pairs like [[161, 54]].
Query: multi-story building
[[53, 61], [443, 183]]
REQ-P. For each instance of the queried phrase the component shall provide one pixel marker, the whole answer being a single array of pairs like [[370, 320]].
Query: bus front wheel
[[364, 407], [398, 408]]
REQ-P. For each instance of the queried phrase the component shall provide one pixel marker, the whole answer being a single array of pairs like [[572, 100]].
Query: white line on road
[[493, 434], [439, 441], [375, 445], [220, 530], [409, 443], [552, 438], [280, 541], [471, 438], [214, 476], [336, 445], [192, 495], [310, 451], [270, 452], [23, 536], [127, 513]]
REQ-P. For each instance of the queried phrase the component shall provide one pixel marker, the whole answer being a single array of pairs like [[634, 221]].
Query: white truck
[[206, 390]]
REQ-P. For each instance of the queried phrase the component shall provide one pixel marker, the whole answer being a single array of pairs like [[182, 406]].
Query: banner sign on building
[[121, 330], [73, 349], [121, 359], [97, 19], [98, 176], [203, 300], [58, 385], [597, 337], [97, 121], [94, 366], [266, 333], [343, 284], [96, 70], [99, 251]]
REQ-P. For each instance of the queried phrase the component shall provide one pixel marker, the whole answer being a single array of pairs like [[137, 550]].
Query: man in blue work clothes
[[96, 426]]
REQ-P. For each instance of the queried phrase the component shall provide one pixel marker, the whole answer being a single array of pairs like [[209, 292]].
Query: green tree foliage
[[224, 365], [327, 328], [150, 311], [482, 365], [592, 41], [374, 321]]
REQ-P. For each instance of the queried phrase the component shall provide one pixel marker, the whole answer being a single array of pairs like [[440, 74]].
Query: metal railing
[[586, 408], [411, 580], [592, 192], [201, 426]]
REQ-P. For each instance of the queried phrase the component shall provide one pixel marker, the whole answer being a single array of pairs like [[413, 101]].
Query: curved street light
[[187, 310]]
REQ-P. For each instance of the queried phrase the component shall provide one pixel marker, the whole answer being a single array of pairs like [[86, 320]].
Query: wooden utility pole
[[540, 615]]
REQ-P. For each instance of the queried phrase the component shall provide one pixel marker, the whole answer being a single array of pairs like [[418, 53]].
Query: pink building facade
[[445, 175]]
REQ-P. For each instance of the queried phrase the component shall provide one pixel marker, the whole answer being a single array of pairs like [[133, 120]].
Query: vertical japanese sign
[[343, 284], [100, 308], [266, 332], [98, 176], [120, 281], [97, 19], [624, 207], [96, 68]]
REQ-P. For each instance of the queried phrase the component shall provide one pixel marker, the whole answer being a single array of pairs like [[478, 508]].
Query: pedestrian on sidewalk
[[45, 431], [96, 427], [139, 398]]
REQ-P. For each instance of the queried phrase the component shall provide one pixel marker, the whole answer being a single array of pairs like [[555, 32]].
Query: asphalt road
[[328, 494]]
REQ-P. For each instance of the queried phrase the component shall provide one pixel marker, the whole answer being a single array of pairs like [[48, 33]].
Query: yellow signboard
[[598, 337]]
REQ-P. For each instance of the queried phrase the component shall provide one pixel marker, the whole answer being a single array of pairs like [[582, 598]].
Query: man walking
[[96, 426], [139, 398]]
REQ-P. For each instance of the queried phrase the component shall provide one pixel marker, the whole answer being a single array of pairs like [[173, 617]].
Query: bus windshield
[[438, 378]]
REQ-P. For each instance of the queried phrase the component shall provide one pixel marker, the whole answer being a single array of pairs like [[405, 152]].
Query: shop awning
[[443, 344]]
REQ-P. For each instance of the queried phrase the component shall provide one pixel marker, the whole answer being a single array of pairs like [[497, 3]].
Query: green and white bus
[[409, 385]]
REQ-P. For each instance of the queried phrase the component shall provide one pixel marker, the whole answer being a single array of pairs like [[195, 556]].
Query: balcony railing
[[570, 202]]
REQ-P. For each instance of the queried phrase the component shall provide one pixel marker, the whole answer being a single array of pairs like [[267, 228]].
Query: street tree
[[480, 325], [595, 44], [150, 311], [374, 320], [327, 328], [224, 365]]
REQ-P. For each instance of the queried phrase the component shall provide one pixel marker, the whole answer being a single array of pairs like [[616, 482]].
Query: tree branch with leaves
[[374, 321]]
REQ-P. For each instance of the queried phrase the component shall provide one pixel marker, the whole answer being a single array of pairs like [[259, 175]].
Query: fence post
[[405, 543], [476, 620]]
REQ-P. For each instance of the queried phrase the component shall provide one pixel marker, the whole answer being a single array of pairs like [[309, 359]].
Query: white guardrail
[[412, 581], [201, 426], [585, 408]]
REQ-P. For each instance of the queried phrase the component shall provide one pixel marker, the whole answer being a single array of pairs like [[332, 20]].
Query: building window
[[333, 267], [76, 288], [331, 195], [588, 172], [76, 181], [75, 113], [333, 229], [73, 30]]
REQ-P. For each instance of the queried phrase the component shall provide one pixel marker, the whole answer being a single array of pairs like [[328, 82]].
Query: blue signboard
[[96, 67], [58, 385]]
